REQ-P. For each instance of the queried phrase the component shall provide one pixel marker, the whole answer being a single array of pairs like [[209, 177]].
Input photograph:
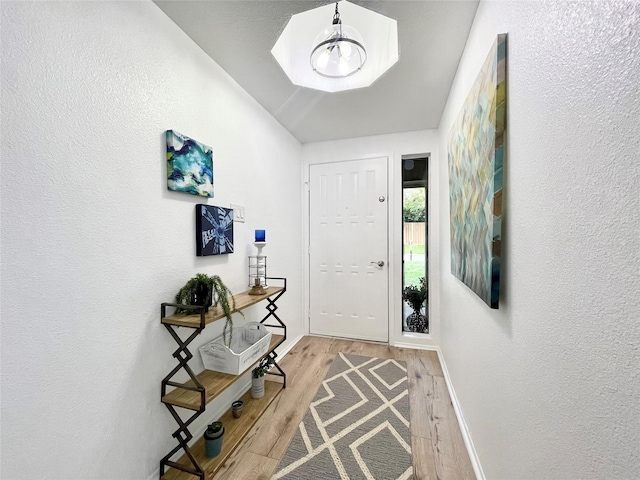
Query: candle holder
[[258, 271]]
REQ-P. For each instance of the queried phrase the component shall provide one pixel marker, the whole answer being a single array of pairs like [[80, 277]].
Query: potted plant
[[213, 436], [257, 377], [416, 297], [208, 290]]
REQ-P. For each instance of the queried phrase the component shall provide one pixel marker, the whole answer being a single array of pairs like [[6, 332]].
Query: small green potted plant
[[213, 436], [257, 377], [208, 290], [416, 297]]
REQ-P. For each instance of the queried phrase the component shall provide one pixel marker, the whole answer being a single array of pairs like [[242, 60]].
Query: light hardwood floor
[[436, 443]]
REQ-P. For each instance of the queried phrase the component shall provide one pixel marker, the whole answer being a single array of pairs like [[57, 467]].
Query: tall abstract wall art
[[189, 165], [476, 156], [214, 230]]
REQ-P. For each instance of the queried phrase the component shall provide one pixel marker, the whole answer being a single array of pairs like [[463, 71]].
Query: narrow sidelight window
[[415, 255]]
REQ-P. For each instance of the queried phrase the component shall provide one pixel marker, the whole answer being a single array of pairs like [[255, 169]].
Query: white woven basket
[[248, 344]]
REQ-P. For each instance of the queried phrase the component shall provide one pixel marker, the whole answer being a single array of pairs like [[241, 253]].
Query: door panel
[[348, 236]]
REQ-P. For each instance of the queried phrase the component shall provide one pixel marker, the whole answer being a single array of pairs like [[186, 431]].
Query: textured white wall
[[92, 242], [393, 146], [548, 384]]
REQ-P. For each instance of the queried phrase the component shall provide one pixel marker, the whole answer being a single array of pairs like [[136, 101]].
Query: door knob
[[379, 263]]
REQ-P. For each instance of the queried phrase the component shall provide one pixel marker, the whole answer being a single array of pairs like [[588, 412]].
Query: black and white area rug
[[357, 426]]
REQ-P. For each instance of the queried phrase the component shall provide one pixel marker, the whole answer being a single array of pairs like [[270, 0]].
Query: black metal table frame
[[183, 355]]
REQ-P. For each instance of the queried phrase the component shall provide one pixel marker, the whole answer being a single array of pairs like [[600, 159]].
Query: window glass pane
[[415, 253]]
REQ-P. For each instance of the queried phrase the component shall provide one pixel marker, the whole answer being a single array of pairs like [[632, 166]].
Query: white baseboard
[[416, 346], [218, 412], [466, 436]]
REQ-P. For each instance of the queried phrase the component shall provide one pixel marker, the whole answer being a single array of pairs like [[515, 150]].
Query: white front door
[[348, 249]]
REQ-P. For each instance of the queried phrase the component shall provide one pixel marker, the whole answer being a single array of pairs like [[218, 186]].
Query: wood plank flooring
[[437, 445]]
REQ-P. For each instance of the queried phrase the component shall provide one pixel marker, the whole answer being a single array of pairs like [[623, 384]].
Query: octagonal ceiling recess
[[294, 46], [239, 36]]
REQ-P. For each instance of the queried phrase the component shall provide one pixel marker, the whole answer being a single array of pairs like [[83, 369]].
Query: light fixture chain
[[336, 16]]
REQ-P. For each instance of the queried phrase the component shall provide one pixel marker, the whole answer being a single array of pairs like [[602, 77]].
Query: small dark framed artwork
[[214, 230]]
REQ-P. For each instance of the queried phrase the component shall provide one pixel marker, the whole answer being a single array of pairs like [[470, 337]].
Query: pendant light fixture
[[336, 59], [338, 50]]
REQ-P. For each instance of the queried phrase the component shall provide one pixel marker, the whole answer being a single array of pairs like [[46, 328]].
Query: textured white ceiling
[[239, 35]]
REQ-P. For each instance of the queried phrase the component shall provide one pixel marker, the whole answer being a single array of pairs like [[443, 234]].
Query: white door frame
[[393, 305], [393, 147]]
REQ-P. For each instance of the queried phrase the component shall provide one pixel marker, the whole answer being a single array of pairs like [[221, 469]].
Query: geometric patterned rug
[[357, 426]]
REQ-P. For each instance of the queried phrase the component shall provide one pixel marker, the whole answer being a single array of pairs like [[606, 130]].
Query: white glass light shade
[[294, 46], [338, 52]]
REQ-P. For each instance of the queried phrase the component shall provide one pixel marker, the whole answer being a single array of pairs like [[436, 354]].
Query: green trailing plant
[[416, 295], [206, 290], [263, 367]]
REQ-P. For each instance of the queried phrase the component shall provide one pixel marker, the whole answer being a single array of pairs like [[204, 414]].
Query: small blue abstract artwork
[[214, 230], [189, 165]]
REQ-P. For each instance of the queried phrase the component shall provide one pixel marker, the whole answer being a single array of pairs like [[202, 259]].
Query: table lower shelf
[[235, 431]]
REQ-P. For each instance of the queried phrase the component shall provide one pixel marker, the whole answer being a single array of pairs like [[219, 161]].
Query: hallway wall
[[92, 241], [548, 384]]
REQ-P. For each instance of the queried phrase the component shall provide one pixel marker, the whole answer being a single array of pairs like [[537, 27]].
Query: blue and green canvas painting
[[476, 158], [189, 165]]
